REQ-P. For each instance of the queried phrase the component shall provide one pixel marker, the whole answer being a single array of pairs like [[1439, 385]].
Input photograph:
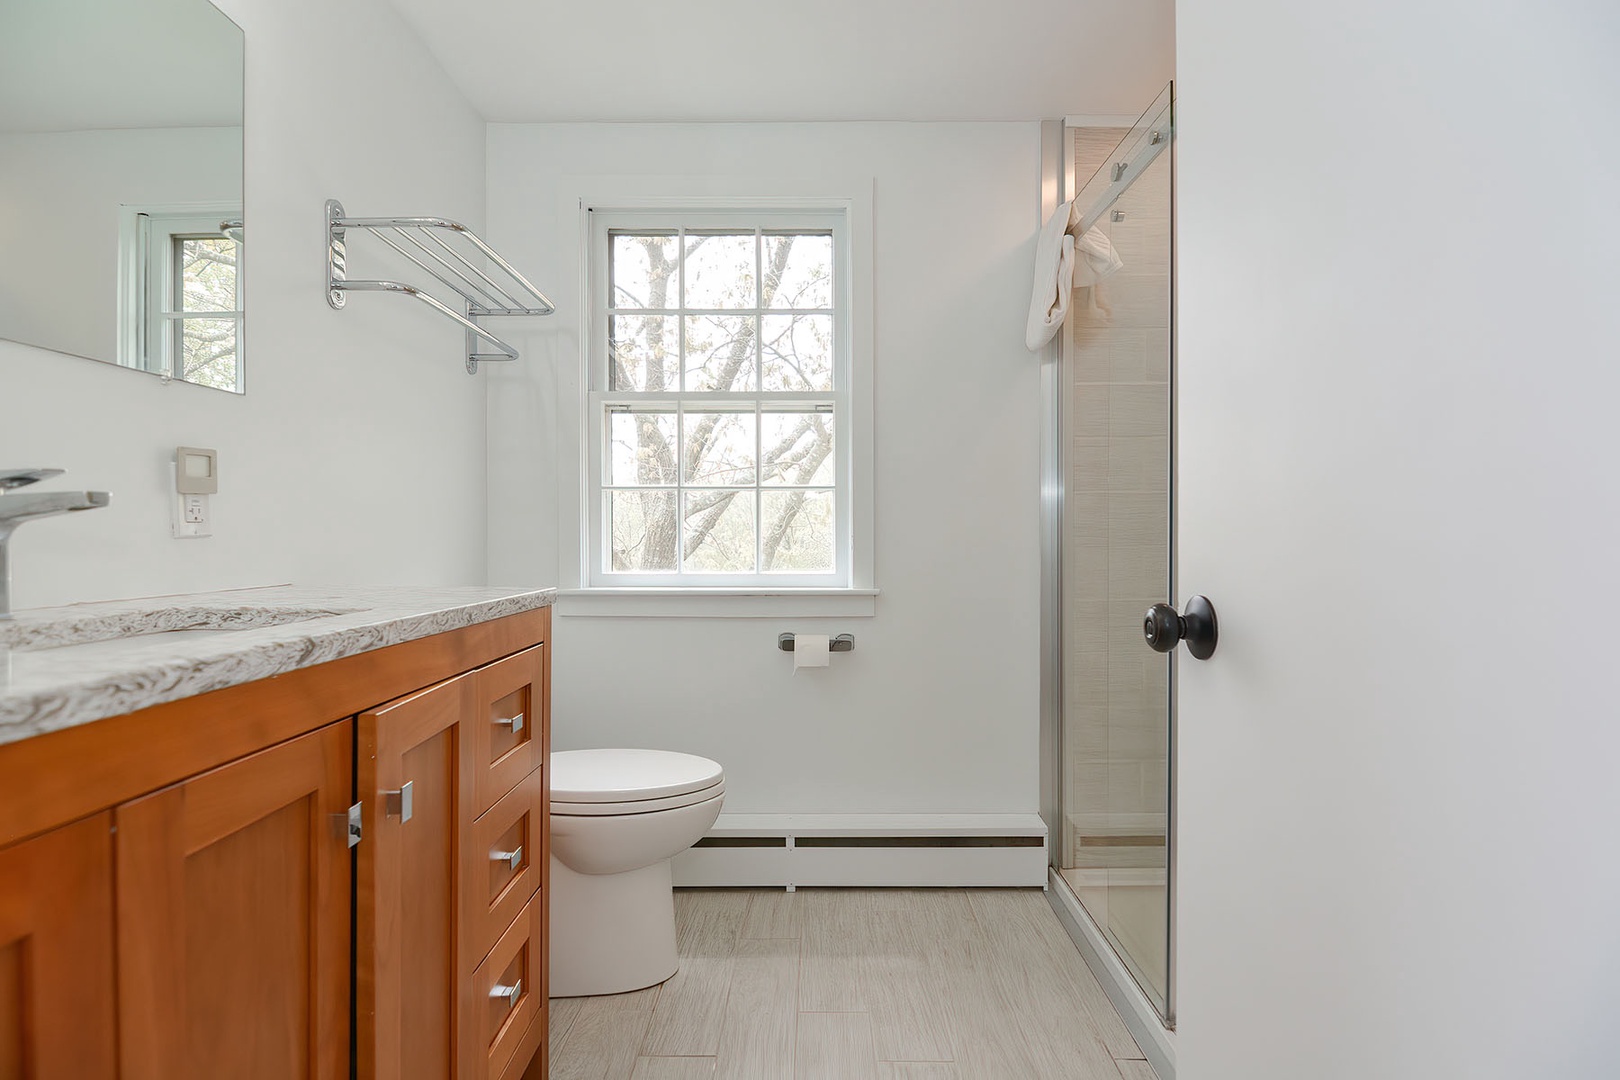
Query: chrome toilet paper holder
[[841, 643]]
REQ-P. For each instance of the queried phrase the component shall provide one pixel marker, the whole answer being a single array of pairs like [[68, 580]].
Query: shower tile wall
[[1117, 547]]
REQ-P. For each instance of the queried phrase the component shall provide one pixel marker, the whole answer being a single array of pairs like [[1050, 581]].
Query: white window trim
[[579, 595], [136, 258]]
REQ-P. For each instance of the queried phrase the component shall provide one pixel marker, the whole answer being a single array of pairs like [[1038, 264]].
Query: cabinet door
[[416, 759], [56, 959], [233, 919]]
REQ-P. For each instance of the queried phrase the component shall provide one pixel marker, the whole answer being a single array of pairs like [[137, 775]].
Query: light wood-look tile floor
[[856, 984]]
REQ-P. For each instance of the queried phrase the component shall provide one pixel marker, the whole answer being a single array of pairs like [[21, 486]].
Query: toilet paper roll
[[811, 650]]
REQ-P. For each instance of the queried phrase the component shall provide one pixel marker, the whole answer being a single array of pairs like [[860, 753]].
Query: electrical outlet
[[190, 515]]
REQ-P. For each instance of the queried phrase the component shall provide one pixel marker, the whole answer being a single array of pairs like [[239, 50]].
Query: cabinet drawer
[[508, 744], [506, 996], [529, 1063], [513, 831]]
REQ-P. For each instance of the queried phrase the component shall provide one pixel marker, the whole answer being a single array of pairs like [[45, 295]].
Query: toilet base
[[611, 933]]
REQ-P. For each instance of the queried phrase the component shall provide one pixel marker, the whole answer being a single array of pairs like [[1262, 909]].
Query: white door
[[1399, 482]]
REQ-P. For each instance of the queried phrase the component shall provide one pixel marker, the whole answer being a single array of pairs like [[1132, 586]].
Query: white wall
[[1397, 392], [62, 191], [936, 710], [357, 453], [842, 60]]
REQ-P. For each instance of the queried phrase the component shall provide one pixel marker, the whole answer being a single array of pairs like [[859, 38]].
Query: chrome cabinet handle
[[513, 859], [399, 802], [1163, 628], [510, 993], [513, 722]]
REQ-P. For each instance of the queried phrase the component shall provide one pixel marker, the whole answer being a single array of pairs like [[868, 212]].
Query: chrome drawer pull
[[513, 859], [399, 802], [513, 722], [510, 993]]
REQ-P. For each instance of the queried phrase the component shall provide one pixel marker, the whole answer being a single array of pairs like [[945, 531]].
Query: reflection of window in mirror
[[180, 304]]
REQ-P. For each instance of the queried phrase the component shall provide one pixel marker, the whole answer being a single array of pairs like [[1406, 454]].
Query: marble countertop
[[70, 665]]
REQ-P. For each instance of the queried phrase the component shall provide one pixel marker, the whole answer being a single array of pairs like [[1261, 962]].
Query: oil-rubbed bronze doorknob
[[1163, 628]]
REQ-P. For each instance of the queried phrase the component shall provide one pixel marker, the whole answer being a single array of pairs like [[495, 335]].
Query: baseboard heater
[[867, 850]]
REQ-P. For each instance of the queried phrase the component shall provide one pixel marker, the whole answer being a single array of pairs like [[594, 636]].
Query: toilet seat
[[600, 783], [637, 806]]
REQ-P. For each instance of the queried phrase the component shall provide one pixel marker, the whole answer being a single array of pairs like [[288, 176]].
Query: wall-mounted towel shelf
[[498, 290], [841, 643]]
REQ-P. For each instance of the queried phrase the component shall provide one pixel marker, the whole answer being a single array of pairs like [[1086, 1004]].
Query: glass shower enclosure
[[1115, 444]]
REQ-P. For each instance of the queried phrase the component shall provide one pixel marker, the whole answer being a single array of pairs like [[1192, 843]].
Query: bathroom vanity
[[265, 833]]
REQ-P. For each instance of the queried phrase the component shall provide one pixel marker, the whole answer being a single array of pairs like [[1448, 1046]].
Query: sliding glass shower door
[[1116, 549]]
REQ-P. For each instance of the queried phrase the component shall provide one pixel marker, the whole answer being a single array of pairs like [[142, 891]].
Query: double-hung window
[[720, 397], [181, 301]]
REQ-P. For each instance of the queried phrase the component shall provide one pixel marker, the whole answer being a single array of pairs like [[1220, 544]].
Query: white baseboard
[[1141, 1019], [730, 824], [868, 850]]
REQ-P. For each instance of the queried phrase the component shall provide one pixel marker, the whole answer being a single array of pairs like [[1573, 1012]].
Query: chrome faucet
[[16, 509]]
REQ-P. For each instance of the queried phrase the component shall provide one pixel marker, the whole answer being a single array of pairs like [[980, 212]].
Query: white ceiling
[[70, 65], [716, 60]]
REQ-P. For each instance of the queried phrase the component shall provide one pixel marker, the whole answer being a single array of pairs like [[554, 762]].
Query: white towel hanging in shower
[[1054, 270], [1056, 275], [1095, 257]]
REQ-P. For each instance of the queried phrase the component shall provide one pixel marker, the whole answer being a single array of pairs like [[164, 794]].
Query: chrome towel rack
[[500, 290]]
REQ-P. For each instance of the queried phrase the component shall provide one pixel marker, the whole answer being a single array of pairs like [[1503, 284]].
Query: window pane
[[796, 448], [720, 352], [719, 531], [645, 351], [797, 352], [642, 528], [641, 448], [642, 269], [798, 271], [720, 270], [718, 448], [208, 352], [798, 531], [207, 274]]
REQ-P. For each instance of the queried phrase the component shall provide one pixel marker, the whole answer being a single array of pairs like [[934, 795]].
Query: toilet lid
[[621, 776]]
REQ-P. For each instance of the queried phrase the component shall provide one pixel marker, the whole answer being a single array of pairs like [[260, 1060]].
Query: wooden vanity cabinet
[[222, 944]]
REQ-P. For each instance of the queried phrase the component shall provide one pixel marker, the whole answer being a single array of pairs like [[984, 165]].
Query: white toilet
[[617, 818]]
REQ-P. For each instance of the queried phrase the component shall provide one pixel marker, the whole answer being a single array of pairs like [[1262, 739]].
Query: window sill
[[744, 603]]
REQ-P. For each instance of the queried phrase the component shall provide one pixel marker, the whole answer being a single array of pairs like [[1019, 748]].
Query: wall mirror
[[121, 234]]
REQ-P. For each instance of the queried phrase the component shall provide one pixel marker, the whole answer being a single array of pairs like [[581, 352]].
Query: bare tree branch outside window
[[208, 347]]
